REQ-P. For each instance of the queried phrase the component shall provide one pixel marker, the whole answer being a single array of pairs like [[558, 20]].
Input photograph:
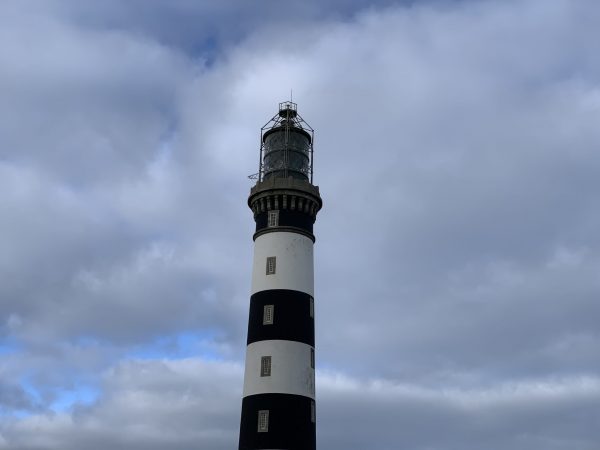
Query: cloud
[[517, 416], [192, 402], [153, 404], [456, 252]]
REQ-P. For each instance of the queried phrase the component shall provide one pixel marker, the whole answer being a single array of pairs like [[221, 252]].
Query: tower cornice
[[287, 194]]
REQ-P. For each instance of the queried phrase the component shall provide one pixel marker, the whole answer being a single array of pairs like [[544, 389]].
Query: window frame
[[263, 421], [271, 267], [273, 218], [268, 314], [265, 366]]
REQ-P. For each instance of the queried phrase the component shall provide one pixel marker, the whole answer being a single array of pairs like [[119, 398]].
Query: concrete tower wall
[[285, 335]]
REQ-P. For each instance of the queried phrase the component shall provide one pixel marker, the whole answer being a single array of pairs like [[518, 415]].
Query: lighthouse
[[278, 405]]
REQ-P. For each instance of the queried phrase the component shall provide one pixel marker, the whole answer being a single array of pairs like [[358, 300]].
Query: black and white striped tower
[[278, 406]]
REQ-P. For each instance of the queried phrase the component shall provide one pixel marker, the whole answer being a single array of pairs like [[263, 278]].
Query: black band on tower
[[290, 422], [287, 218], [290, 317]]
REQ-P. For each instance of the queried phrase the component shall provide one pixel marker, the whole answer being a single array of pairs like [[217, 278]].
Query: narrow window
[[265, 366], [273, 218], [312, 308], [268, 311], [263, 421], [313, 415], [312, 358], [270, 265]]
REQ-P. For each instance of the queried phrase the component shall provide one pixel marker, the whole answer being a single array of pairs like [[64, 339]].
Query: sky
[[457, 262]]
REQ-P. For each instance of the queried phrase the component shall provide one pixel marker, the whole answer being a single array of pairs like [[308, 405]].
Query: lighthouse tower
[[278, 406]]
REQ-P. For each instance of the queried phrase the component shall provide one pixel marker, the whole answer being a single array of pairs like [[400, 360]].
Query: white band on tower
[[293, 268]]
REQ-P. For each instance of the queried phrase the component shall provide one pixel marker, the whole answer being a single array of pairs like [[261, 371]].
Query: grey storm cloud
[[457, 267]]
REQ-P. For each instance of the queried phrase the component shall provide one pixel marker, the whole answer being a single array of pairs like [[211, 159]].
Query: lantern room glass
[[286, 153]]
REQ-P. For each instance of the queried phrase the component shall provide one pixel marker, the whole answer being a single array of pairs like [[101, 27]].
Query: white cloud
[[191, 402], [455, 255]]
